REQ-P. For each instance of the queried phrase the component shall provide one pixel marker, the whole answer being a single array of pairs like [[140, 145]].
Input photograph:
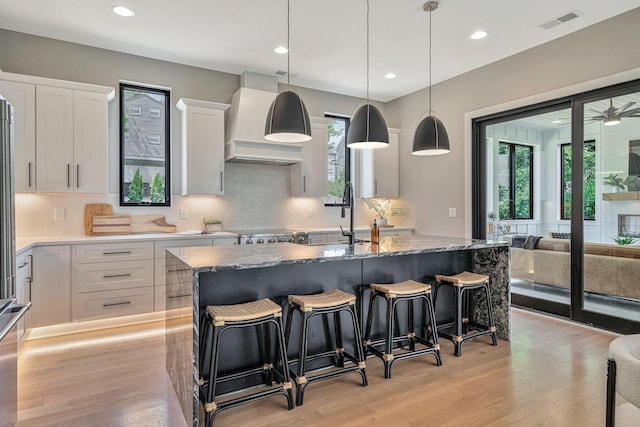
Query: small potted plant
[[383, 209], [624, 240], [212, 225], [614, 181]]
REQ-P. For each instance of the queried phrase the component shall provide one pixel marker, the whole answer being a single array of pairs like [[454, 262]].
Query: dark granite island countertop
[[200, 276]]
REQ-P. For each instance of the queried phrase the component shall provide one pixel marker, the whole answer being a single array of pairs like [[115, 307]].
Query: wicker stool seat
[[393, 293], [458, 330], [308, 306], [220, 318]]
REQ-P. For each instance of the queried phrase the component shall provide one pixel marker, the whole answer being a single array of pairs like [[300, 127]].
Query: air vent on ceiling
[[281, 73], [561, 19]]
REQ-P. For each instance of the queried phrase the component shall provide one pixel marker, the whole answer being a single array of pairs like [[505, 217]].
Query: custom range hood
[[245, 126]]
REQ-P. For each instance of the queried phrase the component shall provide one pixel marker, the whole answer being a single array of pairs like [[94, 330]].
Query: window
[[589, 170], [154, 112], [144, 147], [338, 161], [515, 181], [135, 110]]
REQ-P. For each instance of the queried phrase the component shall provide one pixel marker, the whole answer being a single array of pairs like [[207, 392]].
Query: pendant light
[[367, 128], [288, 118], [431, 136]]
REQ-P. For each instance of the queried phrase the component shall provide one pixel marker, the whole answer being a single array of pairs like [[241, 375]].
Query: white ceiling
[[328, 37]]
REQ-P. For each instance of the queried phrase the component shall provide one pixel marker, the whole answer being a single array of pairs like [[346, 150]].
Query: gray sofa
[[610, 269]]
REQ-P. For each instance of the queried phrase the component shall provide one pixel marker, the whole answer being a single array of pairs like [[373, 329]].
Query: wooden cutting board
[[91, 210], [109, 225], [151, 224]]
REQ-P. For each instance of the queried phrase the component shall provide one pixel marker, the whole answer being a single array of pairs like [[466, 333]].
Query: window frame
[[562, 186], [512, 179], [167, 148], [347, 154]]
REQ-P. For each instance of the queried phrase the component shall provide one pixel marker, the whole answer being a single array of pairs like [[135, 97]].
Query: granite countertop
[[214, 258], [24, 243]]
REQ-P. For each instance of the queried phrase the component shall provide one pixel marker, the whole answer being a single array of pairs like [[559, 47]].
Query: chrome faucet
[[348, 202]]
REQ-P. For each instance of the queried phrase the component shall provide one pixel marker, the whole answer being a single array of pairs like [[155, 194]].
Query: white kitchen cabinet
[[51, 287], [71, 140], [379, 170], [22, 97], [23, 293], [114, 303], [309, 178], [202, 136]]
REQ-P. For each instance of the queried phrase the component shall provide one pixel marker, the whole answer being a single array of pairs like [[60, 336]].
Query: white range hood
[[245, 126]]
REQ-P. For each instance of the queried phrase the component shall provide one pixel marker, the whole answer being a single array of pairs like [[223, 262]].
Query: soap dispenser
[[375, 233]]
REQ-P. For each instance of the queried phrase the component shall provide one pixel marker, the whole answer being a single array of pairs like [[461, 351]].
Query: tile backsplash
[[256, 196]]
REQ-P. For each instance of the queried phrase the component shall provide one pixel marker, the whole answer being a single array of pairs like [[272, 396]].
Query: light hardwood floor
[[552, 373]]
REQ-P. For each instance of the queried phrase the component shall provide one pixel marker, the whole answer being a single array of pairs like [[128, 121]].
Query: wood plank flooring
[[552, 373]]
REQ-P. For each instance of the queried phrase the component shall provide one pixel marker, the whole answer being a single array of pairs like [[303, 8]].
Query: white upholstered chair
[[623, 377]]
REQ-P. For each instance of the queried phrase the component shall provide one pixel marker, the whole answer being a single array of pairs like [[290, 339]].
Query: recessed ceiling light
[[478, 35], [556, 122], [281, 50], [390, 76], [123, 11]]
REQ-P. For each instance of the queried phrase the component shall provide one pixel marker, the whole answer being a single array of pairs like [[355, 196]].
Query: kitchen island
[[202, 276]]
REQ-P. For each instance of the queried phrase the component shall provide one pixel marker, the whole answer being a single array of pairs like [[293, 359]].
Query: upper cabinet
[[202, 136], [378, 170], [61, 134], [22, 96], [309, 178]]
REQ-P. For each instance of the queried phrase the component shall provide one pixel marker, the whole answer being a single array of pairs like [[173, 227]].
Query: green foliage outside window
[[136, 189], [157, 189], [519, 184], [589, 172]]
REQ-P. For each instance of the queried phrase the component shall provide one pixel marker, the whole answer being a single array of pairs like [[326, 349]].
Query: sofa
[[609, 269]]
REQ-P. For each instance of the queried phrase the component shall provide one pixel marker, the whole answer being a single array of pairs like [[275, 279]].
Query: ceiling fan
[[612, 115]]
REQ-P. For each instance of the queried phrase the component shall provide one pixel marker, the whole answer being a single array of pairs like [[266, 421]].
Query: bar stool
[[461, 325], [393, 293], [221, 318], [309, 306]]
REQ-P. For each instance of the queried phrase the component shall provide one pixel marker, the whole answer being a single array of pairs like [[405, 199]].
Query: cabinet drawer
[[105, 304], [104, 276], [178, 296], [108, 252], [161, 245], [317, 239]]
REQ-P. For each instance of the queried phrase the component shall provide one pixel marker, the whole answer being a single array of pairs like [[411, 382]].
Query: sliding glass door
[[609, 292], [560, 182]]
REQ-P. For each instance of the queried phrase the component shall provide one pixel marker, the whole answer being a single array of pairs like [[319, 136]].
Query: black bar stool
[[461, 283], [309, 306], [393, 293], [221, 318]]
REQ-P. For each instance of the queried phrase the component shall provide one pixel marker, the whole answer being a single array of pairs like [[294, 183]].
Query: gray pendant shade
[[288, 119], [367, 129], [430, 138]]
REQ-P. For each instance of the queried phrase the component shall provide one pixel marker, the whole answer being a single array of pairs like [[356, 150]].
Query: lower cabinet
[[23, 293], [106, 304], [51, 287]]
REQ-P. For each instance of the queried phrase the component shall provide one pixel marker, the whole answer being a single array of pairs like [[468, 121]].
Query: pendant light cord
[[368, 104], [288, 46], [430, 111]]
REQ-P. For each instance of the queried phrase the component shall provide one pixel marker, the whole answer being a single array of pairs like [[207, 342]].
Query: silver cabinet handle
[[68, 175], [221, 180], [23, 265], [179, 296], [177, 269], [77, 176], [116, 303], [304, 184], [117, 253], [375, 186], [29, 174], [108, 276]]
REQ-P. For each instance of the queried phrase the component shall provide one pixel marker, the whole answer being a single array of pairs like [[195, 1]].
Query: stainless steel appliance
[[10, 314], [272, 236]]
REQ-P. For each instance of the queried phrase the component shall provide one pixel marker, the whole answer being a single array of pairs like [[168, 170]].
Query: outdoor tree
[[136, 189], [157, 189]]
